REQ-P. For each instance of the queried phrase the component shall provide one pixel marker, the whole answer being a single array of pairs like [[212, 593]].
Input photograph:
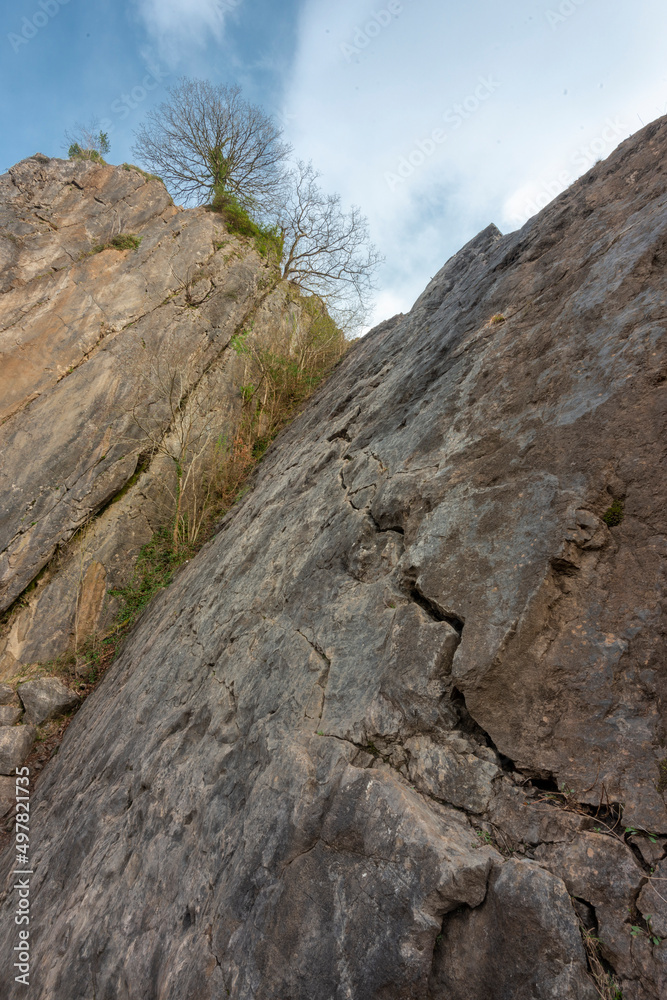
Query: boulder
[[7, 695], [10, 714], [15, 745], [46, 697]]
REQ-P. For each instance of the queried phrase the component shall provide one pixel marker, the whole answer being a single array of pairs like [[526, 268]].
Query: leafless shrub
[[327, 252]]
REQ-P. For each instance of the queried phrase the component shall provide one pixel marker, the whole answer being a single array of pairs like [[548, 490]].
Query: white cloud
[[177, 26], [362, 102]]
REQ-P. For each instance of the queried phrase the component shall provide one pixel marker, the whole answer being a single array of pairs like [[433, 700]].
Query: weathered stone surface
[[652, 900], [7, 795], [15, 745], [651, 848], [46, 697], [602, 871], [459, 778], [91, 327], [523, 943], [7, 695], [9, 714], [91, 600], [424, 557], [523, 818]]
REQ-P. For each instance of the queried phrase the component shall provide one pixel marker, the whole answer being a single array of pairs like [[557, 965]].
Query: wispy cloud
[[176, 26], [439, 118]]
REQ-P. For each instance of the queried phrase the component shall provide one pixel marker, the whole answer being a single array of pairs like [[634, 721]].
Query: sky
[[435, 117]]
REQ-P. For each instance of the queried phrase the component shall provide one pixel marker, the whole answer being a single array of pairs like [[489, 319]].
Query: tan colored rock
[[91, 600], [82, 332]]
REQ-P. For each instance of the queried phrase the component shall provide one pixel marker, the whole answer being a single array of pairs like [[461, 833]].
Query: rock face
[[89, 338], [383, 737]]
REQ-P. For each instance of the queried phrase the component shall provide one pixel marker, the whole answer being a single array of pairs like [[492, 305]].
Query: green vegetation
[[124, 241], [614, 515], [86, 144], [278, 386], [662, 780], [606, 985], [237, 219], [144, 173], [154, 570], [498, 318], [211, 476]]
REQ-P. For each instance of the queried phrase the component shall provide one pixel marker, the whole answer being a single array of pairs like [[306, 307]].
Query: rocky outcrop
[[398, 731], [91, 332]]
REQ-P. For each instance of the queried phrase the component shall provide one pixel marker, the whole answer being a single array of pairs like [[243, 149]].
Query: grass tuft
[[614, 515]]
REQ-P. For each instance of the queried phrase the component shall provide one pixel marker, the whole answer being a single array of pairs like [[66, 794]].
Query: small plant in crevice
[[604, 979], [154, 570], [123, 241], [613, 516], [497, 319]]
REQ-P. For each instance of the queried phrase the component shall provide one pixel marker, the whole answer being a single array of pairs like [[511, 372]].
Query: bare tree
[[206, 139], [327, 252], [87, 142]]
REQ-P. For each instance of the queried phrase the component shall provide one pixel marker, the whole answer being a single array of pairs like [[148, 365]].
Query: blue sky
[[436, 117]]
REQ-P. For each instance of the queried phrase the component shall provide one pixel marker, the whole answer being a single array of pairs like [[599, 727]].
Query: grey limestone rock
[[523, 943], [15, 745], [10, 714], [7, 695], [7, 795], [45, 698]]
